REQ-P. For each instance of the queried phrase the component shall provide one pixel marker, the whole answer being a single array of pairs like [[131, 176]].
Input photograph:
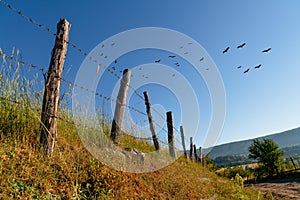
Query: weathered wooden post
[[191, 148], [195, 153], [52, 88], [183, 143], [152, 127], [200, 155], [171, 134], [120, 107]]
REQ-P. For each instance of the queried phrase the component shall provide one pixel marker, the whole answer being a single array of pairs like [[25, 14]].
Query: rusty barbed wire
[[31, 20], [69, 82]]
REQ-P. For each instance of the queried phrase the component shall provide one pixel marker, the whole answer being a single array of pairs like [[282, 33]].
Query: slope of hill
[[284, 139], [73, 173]]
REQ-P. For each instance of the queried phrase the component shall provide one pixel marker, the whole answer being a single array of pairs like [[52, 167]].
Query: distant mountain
[[284, 139]]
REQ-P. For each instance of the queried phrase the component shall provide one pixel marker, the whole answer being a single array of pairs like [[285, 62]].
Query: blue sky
[[260, 102]]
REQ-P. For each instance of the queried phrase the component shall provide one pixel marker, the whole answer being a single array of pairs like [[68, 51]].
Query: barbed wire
[[11, 57], [31, 20], [69, 82], [78, 86], [19, 12], [85, 126], [83, 88]]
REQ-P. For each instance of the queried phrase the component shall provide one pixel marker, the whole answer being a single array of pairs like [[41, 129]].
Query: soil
[[284, 188]]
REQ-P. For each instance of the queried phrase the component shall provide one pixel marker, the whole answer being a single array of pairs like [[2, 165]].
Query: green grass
[[73, 173]]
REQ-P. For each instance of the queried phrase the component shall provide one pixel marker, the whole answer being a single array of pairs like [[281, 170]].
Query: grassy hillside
[[72, 173]]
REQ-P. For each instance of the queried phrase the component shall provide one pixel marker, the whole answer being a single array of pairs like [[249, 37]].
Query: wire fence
[[43, 71], [84, 53]]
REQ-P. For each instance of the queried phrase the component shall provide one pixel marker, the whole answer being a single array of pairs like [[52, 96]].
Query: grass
[[73, 173]]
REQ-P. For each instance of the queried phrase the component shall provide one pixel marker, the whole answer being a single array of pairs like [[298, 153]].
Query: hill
[[73, 173], [284, 139]]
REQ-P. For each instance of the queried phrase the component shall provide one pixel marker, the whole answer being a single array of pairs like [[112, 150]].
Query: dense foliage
[[268, 155]]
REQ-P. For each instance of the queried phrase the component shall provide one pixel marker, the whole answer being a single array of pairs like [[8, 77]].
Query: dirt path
[[287, 189]]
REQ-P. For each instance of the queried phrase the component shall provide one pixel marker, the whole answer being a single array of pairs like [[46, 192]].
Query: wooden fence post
[[195, 153], [200, 155], [52, 88], [183, 142], [120, 107], [191, 148], [171, 134], [152, 127]]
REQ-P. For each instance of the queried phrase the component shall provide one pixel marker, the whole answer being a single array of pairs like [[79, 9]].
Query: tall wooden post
[[191, 148], [183, 142], [120, 107], [200, 155], [152, 127], [195, 153], [52, 88], [171, 134]]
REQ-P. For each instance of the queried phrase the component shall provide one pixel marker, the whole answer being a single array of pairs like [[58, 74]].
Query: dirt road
[[286, 189]]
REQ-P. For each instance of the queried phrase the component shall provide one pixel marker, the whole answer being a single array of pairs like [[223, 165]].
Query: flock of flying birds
[[177, 64], [241, 46]]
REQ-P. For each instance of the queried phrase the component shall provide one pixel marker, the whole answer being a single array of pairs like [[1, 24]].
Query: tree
[[268, 154]]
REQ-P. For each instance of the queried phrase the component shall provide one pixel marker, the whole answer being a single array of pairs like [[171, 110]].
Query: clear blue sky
[[261, 102]]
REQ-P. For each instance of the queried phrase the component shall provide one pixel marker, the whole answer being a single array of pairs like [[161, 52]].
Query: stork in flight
[[258, 66], [226, 50], [247, 70], [241, 45], [266, 50]]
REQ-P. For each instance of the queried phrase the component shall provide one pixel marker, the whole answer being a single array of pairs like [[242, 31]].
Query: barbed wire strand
[[70, 82], [31, 20]]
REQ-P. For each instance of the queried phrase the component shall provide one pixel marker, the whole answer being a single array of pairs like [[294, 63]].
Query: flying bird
[[114, 68], [172, 56], [116, 61], [241, 45], [239, 67], [185, 53], [201, 59], [157, 61], [190, 43], [247, 70], [266, 50], [226, 50], [177, 64], [258, 66], [173, 75]]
